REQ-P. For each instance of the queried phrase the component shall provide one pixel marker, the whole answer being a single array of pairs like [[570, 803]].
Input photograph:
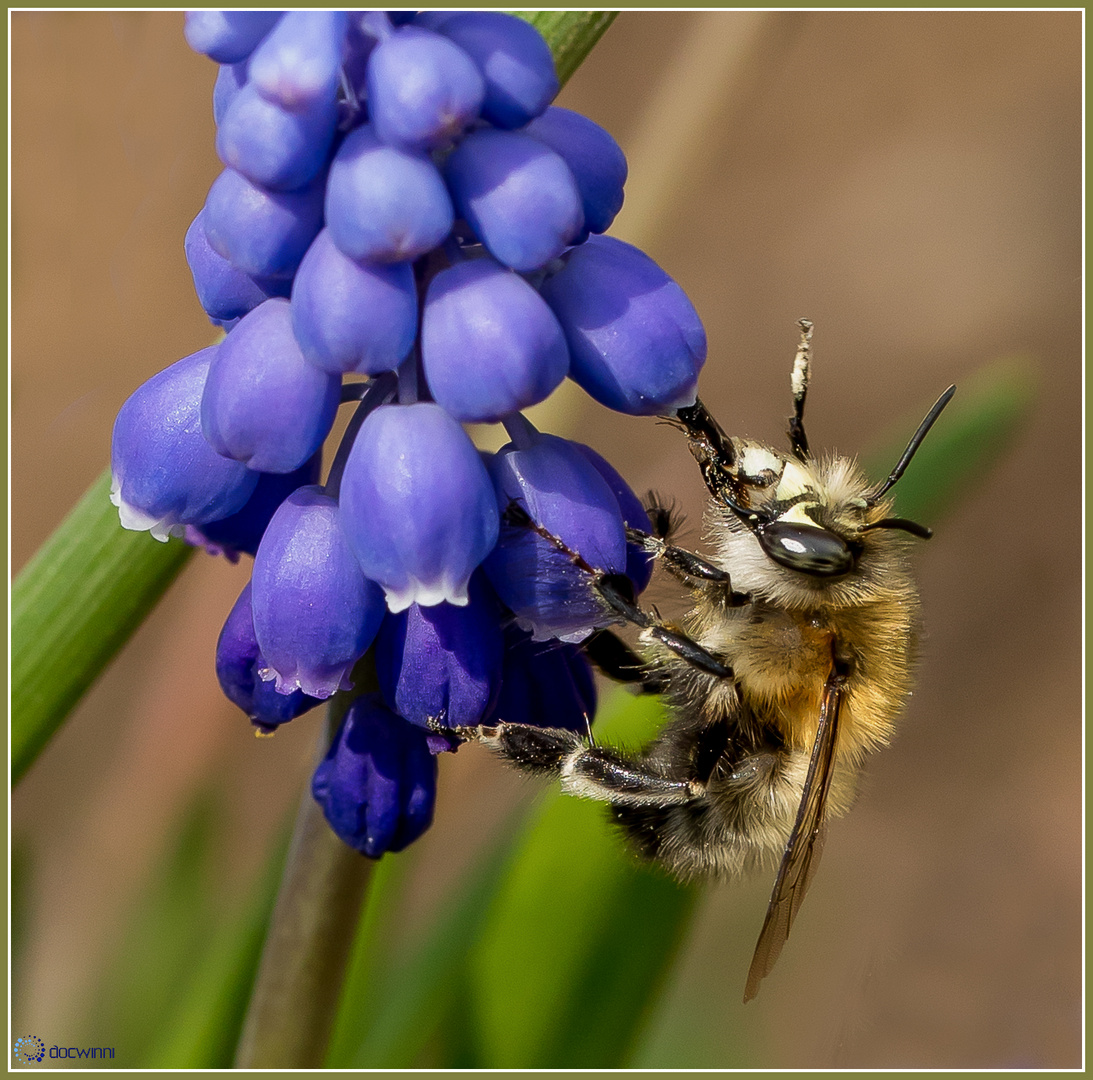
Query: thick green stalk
[[73, 606]]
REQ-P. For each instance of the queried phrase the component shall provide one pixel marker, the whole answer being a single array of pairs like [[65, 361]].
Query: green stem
[[73, 606], [309, 942]]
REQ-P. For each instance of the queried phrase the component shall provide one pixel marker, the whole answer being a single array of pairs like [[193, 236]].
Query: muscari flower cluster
[[401, 201]]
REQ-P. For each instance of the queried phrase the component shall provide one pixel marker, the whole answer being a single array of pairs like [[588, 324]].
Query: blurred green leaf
[[73, 606], [170, 923], [393, 1003], [973, 432], [204, 1027], [580, 935]]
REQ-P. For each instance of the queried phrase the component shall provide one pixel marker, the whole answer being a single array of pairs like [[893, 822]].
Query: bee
[[789, 670]]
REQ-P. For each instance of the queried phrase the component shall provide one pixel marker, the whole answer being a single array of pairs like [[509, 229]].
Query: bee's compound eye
[[806, 548]]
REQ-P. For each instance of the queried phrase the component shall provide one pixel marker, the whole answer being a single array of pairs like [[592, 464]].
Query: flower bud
[[385, 204], [564, 494], [595, 159], [314, 611], [223, 291], [264, 404], [263, 233], [165, 475], [417, 505], [237, 664], [423, 90], [296, 66], [271, 146], [377, 783], [514, 59], [636, 343], [517, 194], [490, 344], [353, 316], [228, 36], [442, 663]]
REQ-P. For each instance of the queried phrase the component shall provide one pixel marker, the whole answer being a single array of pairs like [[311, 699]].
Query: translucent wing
[[806, 842]]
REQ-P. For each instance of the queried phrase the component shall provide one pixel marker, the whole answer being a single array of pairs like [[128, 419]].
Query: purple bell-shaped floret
[[242, 531], [595, 159], [223, 291], [490, 344], [237, 662], [564, 494], [263, 233], [514, 59], [315, 613], [636, 343], [417, 505], [264, 404], [272, 146], [377, 783], [297, 65], [228, 36], [545, 683], [423, 90], [350, 315], [517, 194], [164, 474], [384, 203], [442, 663], [639, 563]]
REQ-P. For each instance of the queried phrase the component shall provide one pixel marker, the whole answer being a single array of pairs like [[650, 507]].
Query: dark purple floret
[[442, 663], [565, 495], [546, 683], [377, 783], [242, 531], [237, 662]]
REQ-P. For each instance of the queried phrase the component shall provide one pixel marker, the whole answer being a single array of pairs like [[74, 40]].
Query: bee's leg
[[619, 662], [594, 772], [617, 592], [688, 567], [614, 588]]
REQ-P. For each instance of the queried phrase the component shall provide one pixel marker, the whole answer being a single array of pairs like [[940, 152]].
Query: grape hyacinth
[[404, 224]]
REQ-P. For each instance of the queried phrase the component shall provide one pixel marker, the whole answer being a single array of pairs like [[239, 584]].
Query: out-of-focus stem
[[299, 979]]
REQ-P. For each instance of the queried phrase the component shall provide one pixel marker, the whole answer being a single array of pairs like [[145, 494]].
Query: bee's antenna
[[913, 445], [798, 440]]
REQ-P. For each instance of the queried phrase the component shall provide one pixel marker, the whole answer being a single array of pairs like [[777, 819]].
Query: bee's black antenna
[[798, 440], [913, 445]]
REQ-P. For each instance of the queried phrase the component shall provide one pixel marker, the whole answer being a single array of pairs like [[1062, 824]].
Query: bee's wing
[[806, 842]]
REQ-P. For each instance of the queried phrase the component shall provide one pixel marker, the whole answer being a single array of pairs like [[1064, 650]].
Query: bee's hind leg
[[594, 772]]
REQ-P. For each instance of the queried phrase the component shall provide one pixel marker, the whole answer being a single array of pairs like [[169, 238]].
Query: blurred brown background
[[909, 181]]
